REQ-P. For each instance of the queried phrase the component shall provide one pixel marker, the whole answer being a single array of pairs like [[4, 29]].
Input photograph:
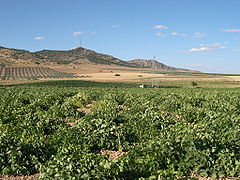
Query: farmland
[[91, 132], [10, 73]]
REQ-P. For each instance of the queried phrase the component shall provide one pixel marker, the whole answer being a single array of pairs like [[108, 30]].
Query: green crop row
[[61, 132], [7, 73]]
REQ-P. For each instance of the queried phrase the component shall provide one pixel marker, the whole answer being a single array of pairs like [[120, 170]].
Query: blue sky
[[195, 34]]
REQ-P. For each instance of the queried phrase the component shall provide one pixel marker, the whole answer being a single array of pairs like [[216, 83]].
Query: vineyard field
[[72, 132], [9, 73]]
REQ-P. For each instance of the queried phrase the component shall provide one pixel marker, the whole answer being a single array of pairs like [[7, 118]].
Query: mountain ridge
[[151, 63], [80, 55]]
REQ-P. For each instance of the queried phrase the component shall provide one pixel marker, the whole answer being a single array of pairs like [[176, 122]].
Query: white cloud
[[231, 30], [201, 49], [199, 34], [160, 27], [236, 50], [211, 45], [39, 38], [236, 38], [160, 34], [114, 26], [94, 32], [174, 33], [179, 34], [215, 45], [226, 42], [222, 47], [183, 34], [207, 47], [77, 33]]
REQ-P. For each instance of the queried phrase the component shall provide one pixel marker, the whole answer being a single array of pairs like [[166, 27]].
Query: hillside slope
[[150, 64], [9, 57], [153, 64], [77, 56]]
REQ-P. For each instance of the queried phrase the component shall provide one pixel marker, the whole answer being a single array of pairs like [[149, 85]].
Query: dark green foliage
[[166, 133], [80, 83], [193, 83]]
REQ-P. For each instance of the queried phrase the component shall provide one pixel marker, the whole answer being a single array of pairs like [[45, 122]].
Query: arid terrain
[[21, 66]]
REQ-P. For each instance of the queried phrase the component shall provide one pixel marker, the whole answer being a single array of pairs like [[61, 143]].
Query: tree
[[194, 84]]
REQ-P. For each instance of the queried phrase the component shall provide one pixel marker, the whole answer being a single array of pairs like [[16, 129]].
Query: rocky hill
[[78, 56], [9, 57], [153, 64], [150, 64], [13, 57], [75, 56]]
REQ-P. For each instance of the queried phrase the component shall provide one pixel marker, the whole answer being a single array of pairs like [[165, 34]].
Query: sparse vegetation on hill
[[154, 65], [150, 64], [74, 56], [78, 56]]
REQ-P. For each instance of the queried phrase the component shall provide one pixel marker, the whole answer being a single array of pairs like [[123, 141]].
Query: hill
[[13, 57], [152, 64], [16, 57], [78, 56]]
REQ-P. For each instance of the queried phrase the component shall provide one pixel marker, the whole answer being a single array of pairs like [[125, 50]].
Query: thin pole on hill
[[153, 70]]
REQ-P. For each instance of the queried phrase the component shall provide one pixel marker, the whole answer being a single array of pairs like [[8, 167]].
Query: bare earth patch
[[87, 109], [208, 178], [112, 154], [234, 78], [9, 177]]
